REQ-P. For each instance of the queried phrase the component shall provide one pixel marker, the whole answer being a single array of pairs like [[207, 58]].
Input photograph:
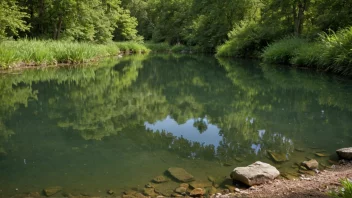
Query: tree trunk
[[299, 17], [58, 27]]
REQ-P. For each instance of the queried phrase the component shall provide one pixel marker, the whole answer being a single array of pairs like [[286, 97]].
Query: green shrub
[[248, 39], [158, 47], [308, 55], [345, 191], [337, 54], [282, 51], [179, 48]]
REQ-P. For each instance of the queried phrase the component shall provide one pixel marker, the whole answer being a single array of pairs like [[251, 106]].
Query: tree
[[12, 18]]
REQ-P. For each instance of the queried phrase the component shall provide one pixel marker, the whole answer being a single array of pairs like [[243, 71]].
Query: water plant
[[345, 191]]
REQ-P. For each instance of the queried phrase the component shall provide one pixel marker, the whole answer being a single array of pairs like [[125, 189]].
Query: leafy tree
[[12, 18]]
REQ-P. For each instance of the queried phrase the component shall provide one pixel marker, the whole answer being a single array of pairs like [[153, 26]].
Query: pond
[[120, 123]]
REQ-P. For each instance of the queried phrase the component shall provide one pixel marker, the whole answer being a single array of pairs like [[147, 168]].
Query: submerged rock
[[149, 192], [307, 172], [180, 174], [211, 179], [201, 184], [185, 185], [160, 179], [52, 190], [277, 157], [299, 149], [311, 164], [181, 190], [197, 192], [321, 155], [3, 153], [110, 192], [345, 153], [254, 174]]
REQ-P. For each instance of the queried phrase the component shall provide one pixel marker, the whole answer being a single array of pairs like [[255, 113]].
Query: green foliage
[[333, 52], [345, 191], [337, 53], [158, 47], [12, 19], [35, 52], [308, 55], [283, 50], [179, 48]]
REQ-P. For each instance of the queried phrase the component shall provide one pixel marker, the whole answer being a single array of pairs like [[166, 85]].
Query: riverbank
[[25, 53], [330, 51], [309, 186], [318, 185]]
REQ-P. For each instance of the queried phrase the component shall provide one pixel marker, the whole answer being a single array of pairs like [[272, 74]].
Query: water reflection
[[210, 136], [191, 107]]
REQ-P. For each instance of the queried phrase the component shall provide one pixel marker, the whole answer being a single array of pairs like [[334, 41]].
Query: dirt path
[[311, 186]]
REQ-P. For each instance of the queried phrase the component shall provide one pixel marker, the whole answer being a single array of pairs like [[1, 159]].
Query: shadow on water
[[125, 121]]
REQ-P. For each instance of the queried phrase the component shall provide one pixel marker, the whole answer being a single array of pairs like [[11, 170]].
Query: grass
[[345, 191], [36, 52], [332, 52], [158, 47]]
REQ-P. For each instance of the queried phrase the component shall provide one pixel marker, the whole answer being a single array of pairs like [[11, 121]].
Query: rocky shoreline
[[255, 180]]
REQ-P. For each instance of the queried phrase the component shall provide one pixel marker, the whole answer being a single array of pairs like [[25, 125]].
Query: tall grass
[[337, 54], [159, 47], [35, 52], [331, 52]]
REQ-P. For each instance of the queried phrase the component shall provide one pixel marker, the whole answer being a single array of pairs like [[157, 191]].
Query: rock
[[130, 192], [231, 188], [212, 190], [149, 192], [2, 152], [200, 184], [52, 190], [237, 190], [185, 185], [211, 179], [139, 195], [160, 179], [176, 195], [307, 172], [197, 192], [345, 153], [227, 164], [128, 196], [254, 174], [277, 157], [180, 174], [149, 185], [321, 155], [110, 192], [299, 149], [181, 190], [311, 164]]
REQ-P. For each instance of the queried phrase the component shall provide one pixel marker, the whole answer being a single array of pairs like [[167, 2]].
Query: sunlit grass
[[35, 52]]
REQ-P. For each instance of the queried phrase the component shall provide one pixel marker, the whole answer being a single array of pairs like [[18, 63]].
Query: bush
[[158, 47], [283, 51], [308, 55], [248, 39], [337, 54]]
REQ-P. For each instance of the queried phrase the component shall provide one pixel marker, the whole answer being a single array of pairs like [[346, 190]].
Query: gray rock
[[254, 174], [180, 174], [345, 153]]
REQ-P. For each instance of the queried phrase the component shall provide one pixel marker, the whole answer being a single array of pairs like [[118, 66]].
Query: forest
[[304, 33]]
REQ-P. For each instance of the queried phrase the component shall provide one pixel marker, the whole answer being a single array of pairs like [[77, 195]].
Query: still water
[[120, 123]]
